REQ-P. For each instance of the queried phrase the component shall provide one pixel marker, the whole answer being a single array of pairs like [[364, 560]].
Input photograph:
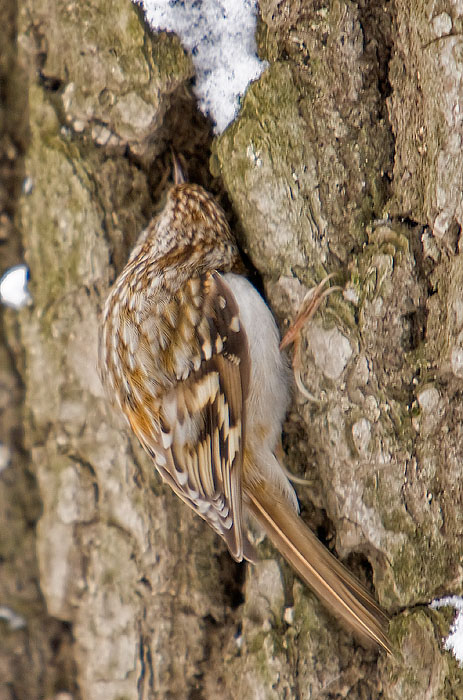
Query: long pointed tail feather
[[343, 595]]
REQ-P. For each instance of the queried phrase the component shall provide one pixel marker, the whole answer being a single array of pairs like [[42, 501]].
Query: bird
[[190, 353]]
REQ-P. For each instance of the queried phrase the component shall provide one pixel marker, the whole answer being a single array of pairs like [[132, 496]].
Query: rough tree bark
[[345, 158]]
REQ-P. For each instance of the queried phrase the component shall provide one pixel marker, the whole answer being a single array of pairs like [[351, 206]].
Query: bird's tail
[[330, 580]]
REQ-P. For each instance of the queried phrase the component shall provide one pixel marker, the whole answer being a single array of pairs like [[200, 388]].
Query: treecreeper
[[190, 353]]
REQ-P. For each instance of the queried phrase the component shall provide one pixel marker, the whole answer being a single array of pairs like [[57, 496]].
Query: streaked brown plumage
[[190, 353]]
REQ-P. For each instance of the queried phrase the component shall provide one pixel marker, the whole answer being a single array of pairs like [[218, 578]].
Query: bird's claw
[[309, 306]]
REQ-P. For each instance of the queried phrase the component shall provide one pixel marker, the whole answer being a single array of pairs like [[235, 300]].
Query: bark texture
[[345, 159]]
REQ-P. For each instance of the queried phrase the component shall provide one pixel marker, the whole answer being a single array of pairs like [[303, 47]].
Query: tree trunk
[[345, 159]]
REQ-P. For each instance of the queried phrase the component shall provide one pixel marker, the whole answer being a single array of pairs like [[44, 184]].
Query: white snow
[[13, 287], [454, 641], [220, 35], [5, 457], [15, 621]]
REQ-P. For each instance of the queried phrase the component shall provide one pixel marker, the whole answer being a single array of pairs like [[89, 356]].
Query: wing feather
[[198, 442]]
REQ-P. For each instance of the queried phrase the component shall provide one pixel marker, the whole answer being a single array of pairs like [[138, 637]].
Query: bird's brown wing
[[198, 441]]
